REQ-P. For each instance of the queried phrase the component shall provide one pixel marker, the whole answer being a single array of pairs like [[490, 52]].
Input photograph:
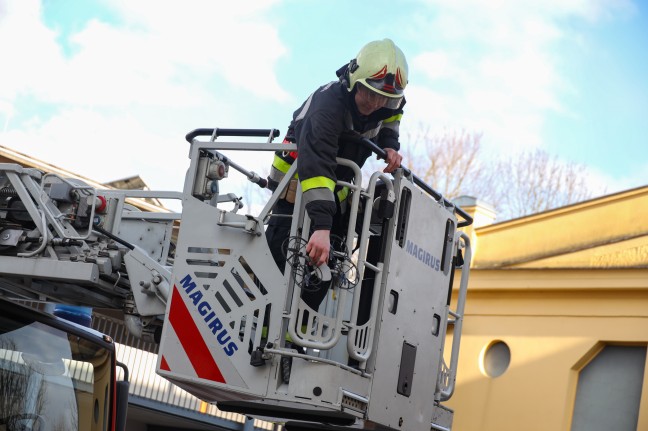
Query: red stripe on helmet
[[380, 74], [192, 341], [399, 78]]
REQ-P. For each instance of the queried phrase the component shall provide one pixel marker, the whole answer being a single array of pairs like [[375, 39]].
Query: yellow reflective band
[[342, 194], [280, 164], [288, 338], [393, 118], [317, 182]]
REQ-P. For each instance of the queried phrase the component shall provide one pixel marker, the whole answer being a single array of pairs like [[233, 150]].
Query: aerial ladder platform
[[232, 327]]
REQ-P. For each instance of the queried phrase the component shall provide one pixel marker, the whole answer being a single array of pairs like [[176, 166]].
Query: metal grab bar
[[297, 308], [216, 132], [356, 331], [446, 388], [382, 154]]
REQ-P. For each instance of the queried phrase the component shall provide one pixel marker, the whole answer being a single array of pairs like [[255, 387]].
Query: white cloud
[[433, 65], [235, 40], [492, 66], [166, 57], [96, 145], [120, 97], [6, 109], [28, 49]]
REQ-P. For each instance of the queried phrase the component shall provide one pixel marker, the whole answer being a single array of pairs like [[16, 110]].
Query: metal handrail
[[444, 393], [362, 264], [382, 154], [216, 132], [273, 133], [295, 316]]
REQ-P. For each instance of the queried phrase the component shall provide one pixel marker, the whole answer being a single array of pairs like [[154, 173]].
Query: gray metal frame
[[85, 270], [232, 238]]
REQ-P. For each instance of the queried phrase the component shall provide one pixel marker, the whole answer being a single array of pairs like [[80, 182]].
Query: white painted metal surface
[[371, 356]]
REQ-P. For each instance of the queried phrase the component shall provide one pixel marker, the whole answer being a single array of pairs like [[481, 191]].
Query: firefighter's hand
[[318, 247], [393, 160]]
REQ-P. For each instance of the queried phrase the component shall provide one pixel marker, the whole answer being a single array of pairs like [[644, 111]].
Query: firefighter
[[367, 99]]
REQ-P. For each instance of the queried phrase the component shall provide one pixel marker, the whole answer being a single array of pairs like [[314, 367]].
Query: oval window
[[495, 359]]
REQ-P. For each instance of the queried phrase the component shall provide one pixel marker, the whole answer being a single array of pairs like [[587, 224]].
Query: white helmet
[[381, 67]]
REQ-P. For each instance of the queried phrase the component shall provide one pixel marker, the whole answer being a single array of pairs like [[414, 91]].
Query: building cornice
[[586, 279], [569, 209]]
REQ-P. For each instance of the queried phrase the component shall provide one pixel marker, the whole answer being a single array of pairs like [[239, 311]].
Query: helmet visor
[[387, 83], [375, 99]]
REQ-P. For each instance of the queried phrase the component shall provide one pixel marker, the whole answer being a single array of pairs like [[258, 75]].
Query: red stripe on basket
[[192, 341]]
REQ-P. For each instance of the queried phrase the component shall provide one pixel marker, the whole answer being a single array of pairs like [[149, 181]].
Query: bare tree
[[17, 390], [451, 160], [454, 163], [540, 181]]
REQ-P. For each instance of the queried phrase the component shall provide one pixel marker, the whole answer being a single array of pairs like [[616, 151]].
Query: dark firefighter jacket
[[319, 128]]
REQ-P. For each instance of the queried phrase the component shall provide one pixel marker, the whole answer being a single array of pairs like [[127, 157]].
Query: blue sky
[[109, 88]]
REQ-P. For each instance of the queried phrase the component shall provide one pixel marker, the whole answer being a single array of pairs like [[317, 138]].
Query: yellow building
[[556, 319]]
